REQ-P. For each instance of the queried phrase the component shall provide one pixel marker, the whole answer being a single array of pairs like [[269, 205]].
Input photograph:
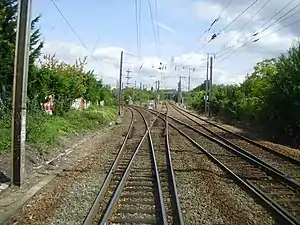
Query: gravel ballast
[[207, 195], [276, 161], [67, 198]]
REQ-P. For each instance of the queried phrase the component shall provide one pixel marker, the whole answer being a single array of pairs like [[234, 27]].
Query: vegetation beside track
[[268, 99], [46, 130], [48, 75]]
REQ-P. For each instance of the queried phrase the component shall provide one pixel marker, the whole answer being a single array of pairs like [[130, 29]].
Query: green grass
[[46, 130]]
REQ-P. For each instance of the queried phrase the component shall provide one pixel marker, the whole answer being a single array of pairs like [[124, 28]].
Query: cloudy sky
[[109, 26]]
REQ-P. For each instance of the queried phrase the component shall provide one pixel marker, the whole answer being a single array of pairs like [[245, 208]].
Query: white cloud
[[109, 59], [231, 71]]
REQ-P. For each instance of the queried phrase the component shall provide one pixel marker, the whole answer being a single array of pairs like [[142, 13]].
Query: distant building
[[80, 104]]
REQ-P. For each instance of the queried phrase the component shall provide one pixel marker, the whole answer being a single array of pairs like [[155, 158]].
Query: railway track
[[278, 193], [284, 164], [132, 192]]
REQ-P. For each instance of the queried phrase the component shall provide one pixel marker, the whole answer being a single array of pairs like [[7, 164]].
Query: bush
[[45, 129]]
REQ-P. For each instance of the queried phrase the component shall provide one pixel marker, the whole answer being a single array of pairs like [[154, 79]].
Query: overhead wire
[[278, 19], [254, 36], [157, 27], [256, 40], [237, 17], [140, 28], [137, 25], [223, 29], [75, 32], [245, 25], [215, 20], [153, 28], [277, 13]]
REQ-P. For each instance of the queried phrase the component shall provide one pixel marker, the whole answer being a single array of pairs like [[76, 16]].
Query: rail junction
[[140, 186]]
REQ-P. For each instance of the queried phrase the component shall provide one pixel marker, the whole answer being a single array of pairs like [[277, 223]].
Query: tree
[[8, 23]]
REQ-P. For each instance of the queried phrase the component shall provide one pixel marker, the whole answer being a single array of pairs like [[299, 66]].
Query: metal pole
[[180, 90], [117, 90], [120, 83], [189, 87], [140, 93], [20, 92], [210, 87], [206, 85]]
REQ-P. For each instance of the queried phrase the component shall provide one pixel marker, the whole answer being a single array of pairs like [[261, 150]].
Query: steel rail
[[282, 215], [178, 217], [176, 207], [157, 178], [121, 184], [249, 157], [96, 204], [293, 182], [270, 150]]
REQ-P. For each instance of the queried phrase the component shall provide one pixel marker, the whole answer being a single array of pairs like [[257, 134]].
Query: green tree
[[8, 23]]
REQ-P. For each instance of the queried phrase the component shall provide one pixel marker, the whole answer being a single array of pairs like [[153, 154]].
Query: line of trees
[[268, 99], [135, 94], [47, 74]]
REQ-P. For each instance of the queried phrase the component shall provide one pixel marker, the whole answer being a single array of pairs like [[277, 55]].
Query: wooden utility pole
[[210, 87], [20, 92], [120, 83]]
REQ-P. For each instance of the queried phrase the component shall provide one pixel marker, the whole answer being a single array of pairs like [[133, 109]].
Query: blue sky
[[112, 24]]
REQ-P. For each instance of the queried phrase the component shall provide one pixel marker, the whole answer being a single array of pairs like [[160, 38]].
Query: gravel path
[[66, 199]]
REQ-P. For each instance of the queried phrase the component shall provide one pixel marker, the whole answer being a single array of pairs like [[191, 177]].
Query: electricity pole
[[128, 77], [20, 92], [120, 83], [180, 89], [140, 93], [206, 86], [210, 88], [189, 85]]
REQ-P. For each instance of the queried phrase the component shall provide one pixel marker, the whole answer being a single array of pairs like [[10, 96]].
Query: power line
[[277, 13], [153, 28], [140, 28], [215, 21], [137, 25], [215, 35], [238, 16], [256, 40], [74, 31], [280, 19], [158, 36], [245, 25]]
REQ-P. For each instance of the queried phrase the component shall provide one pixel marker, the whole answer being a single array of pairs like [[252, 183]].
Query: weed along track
[[135, 189]]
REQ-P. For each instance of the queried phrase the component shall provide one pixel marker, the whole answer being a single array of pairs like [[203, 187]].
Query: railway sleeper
[[131, 210], [133, 221]]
